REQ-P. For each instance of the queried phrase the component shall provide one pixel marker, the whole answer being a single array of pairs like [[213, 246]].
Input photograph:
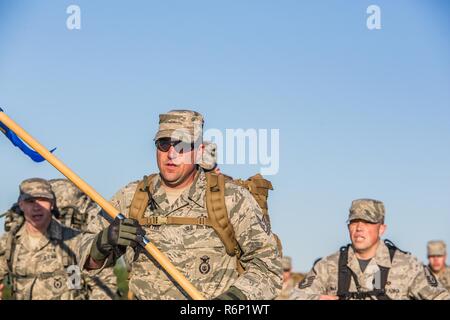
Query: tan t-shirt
[[33, 240], [174, 194]]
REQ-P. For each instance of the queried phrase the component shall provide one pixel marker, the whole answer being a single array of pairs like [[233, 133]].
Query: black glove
[[120, 234], [232, 293]]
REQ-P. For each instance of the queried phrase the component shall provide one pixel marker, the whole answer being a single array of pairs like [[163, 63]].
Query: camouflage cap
[[368, 210], [286, 263], [209, 157], [35, 188], [183, 125], [66, 193], [436, 248]]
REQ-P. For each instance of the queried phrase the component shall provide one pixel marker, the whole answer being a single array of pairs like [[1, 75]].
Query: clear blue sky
[[361, 113]]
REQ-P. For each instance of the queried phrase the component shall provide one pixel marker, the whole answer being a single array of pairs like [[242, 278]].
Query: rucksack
[[217, 217], [71, 204]]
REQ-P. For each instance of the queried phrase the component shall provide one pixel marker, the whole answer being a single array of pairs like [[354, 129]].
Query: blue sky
[[361, 113]]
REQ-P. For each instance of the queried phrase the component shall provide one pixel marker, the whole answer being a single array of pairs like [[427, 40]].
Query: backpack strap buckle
[[202, 221], [157, 220]]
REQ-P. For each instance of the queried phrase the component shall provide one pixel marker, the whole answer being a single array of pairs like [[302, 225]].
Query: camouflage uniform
[[438, 248], [76, 210], [41, 272], [289, 284], [197, 251], [407, 278]]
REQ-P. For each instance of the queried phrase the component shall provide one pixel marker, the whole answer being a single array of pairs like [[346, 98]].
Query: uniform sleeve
[[121, 201], [261, 259], [424, 285], [3, 264], [103, 285], [314, 284]]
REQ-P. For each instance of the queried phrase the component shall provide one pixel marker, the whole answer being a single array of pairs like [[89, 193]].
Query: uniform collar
[[381, 258], [54, 232], [195, 194]]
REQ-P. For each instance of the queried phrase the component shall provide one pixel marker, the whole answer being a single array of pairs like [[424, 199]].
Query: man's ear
[[382, 230]]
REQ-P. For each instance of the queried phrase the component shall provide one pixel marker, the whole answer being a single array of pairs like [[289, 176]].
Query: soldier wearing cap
[[288, 279], [437, 256], [40, 254], [369, 268], [178, 193]]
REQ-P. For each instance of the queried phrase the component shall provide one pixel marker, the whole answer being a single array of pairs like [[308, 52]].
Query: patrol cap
[[286, 263], [35, 188], [369, 210], [436, 248], [182, 125]]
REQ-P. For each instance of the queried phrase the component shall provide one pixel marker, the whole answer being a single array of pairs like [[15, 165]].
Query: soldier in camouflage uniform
[[369, 268], [40, 254], [76, 210], [196, 250], [288, 279], [437, 256]]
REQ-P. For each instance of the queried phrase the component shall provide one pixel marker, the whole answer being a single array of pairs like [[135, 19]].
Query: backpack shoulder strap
[[141, 198], [217, 211], [344, 274], [218, 215]]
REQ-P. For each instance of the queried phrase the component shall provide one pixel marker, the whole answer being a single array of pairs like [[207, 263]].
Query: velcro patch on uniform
[[307, 282], [264, 222], [431, 279]]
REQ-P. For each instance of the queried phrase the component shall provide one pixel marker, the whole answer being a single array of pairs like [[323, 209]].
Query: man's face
[[365, 235], [286, 275], [176, 161], [437, 263], [37, 212]]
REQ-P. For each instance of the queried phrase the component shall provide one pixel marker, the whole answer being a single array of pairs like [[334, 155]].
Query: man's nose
[[172, 153], [359, 226]]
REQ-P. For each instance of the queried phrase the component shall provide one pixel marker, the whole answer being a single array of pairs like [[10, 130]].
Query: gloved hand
[[120, 234], [232, 293]]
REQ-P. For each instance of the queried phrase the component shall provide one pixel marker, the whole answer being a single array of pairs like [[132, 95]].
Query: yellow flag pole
[[106, 206]]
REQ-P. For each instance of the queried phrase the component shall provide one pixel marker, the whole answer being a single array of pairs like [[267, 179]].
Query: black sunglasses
[[164, 145]]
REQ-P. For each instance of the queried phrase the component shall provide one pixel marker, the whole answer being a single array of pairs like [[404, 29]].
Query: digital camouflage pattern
[[367, 209], [443, 276], [197, 251], [184, 125], [76, 210], [436, 248], [42, 272], [287, 289], [35, 188], [13, 217], [408, 278]]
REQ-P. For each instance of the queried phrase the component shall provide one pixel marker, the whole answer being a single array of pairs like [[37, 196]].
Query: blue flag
[[36, 157]]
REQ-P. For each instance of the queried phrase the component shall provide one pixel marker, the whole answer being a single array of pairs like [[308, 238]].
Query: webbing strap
[[172, 220]]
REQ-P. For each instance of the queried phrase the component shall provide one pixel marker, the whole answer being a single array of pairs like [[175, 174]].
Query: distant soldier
[[289, 279], [369, 268], [40, 258], [76, 210], [437, 257]]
